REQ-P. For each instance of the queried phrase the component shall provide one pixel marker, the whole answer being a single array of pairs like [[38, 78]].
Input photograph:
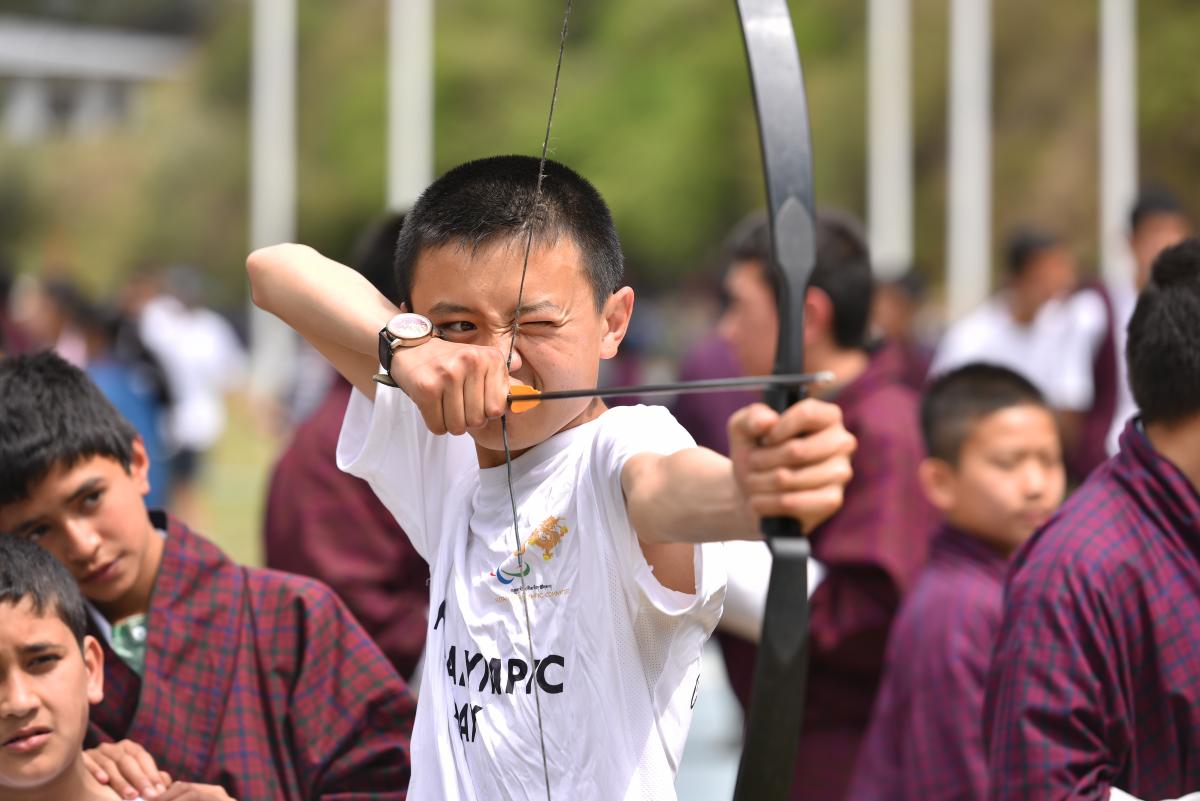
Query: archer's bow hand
[[457, 387], [792, 465]]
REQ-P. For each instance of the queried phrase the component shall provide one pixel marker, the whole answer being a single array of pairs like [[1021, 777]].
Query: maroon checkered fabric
[[874, 548], [260, 682], [1091, 449], [926, 741], [329, 525], [1095, 681]]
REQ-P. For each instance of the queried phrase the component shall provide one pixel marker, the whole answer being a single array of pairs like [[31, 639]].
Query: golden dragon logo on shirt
[[546, 537]]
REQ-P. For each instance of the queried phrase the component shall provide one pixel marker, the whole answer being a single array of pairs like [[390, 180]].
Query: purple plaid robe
[[1095, 680], [260, 682], [873, 548], [706, 414], [925, 742]]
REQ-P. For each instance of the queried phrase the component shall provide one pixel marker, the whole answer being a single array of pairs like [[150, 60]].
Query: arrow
[[523, 398]]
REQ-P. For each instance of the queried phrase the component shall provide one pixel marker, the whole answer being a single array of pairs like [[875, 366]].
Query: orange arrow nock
[[521, 390]]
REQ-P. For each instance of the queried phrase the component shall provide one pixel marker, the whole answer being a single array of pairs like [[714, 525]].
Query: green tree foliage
[[654, 107]]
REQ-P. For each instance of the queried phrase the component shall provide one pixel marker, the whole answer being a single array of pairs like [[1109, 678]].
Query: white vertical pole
[[890, 138], [26, 116], [410, 100], [272, 175], [1118, 136], [969, 193]]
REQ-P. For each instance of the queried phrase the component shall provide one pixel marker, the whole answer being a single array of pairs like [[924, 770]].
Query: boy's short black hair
[[842, 270], [28, 570], [52, 415], [957, 400], [1025, 244], [912, 285], [1152, 202], [1163, 348], [375, 251], [492, 200]]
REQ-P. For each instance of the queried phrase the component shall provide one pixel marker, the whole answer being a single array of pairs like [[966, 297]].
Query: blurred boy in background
[[870, 551], [1094, 684], [995, 473]]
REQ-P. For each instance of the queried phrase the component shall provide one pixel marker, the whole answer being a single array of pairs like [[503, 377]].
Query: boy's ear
[[818, 316], [139, 466], [937, 479], [93, 662], [617, 311]]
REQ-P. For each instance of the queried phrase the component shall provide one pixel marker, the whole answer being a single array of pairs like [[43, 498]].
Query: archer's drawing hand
[[127, 768], [792, 465], [457, 387]]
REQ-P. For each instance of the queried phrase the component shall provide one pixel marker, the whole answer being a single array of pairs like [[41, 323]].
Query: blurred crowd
[[167, 362], [161, 355]]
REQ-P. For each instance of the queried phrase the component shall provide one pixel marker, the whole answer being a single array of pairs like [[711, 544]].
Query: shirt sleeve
[[748, 568], [626, 432], [385, 442], [1050, 716]]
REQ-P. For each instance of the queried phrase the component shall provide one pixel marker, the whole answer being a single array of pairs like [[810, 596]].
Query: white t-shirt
[[617, 655], [207, 361], [1055, 351]]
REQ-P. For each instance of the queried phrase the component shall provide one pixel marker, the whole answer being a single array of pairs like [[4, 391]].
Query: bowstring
[[512, 345]]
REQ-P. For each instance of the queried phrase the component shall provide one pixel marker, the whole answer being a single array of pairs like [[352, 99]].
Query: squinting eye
[[458, 327], [34, 534], [44, 661]]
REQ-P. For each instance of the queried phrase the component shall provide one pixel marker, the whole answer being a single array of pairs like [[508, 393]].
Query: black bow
[[777, 707]]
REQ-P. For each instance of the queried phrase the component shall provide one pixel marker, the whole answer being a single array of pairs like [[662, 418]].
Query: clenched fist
[[795, 464]]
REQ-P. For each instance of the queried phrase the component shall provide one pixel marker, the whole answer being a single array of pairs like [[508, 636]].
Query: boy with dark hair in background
[[51, 671], [253, 680], [1040, 326], [871, 551], [1093, 691], [1156, 222], [995, 472]]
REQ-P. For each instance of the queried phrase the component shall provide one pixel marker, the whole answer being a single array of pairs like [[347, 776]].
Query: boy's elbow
[[263, 266]]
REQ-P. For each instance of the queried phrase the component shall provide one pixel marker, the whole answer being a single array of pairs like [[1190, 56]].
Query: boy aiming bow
[[563, 656]]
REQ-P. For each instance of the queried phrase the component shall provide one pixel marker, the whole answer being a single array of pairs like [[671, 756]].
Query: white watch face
[[409, 326]]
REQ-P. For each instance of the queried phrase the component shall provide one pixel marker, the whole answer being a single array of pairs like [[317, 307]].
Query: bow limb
[[777, 706]]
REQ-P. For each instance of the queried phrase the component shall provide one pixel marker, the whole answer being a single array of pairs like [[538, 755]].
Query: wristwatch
[[405, 330]]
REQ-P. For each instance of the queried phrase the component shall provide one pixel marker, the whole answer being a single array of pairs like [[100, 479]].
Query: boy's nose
[[17, 699], [503, 341], [82, 540], [516, 362], [1035, 478]]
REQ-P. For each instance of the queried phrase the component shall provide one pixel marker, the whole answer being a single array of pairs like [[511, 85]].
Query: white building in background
[[57, 78]]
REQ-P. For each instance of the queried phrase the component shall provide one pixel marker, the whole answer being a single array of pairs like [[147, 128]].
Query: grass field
[[229, 507]]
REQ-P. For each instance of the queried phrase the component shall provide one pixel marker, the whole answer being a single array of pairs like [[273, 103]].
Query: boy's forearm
[[689, 496], [326, 302]]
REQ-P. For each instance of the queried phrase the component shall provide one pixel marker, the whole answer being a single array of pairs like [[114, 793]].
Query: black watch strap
[[385, 349]]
